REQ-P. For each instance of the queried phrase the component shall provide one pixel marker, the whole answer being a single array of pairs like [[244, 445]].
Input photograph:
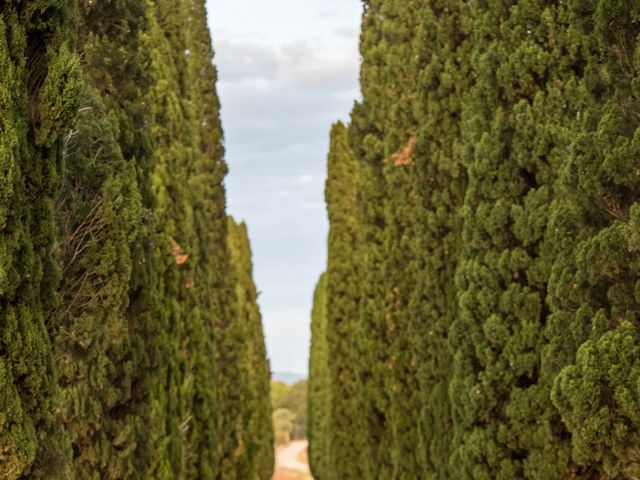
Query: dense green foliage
[[290, 401], [247, 381], [131, 343], [41, 83], [479, 314], [342, 311], [438, 183], [319, 386], [594, 283]]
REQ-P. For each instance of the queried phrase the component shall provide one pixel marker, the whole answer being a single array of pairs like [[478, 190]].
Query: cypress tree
[[190, 239], [116, 281], [439, 181], [517, 127], [252, 423], [496, 216], [319, 386], [113, 41], [172, 247], [234, 371], [400, 25], [99, 212], [342, 311], [593, 290], [41, 83], [366, 137], [213, 283], [383, 136]]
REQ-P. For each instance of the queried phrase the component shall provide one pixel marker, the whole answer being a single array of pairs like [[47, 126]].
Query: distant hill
[[288, 377]]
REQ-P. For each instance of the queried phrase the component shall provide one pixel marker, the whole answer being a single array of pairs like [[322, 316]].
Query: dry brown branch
[[405, 156], [180, 257]]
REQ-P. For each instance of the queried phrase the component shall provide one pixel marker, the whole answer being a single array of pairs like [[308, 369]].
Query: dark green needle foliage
[[444, 78], [495, 261], [40, 84], [478, 318], [98, 205], [319, 387], [594, 294], [97, 348], [370, 343], [342, 312], [517, 128], [249, 451], [399, 164], [117, 280]]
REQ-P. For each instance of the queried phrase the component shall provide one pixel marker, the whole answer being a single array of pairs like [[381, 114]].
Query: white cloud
[[326, 67], [287, 70], [282, 20]]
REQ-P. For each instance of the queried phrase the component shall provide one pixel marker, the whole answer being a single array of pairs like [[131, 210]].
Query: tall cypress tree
[[234, 374], [439, 181], [197, 296], [514, 169], [593, 290], [366, 137], [342, 311], [116, 281], [517, 129], [319, 387], [172, 242], [99, 210], [383, 135], [251, 422], [99, 213], [41, 83], [400, 25], [213, 281]]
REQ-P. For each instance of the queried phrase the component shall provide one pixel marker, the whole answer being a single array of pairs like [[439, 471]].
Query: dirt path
[[289, 465]]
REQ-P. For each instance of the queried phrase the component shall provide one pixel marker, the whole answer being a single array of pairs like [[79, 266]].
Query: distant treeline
[[289, 404], [479, 317], [131, 344]]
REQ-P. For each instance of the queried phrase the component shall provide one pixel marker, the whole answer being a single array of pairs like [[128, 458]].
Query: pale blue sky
[[287, 70]]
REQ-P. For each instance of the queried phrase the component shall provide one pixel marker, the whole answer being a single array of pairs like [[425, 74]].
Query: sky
[[287, 70]]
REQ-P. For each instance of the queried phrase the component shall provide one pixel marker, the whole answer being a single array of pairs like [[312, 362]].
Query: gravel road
[[287, 458]]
